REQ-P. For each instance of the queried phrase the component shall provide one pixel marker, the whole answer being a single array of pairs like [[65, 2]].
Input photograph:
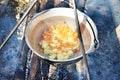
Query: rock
[[118, 33], [4, 2]]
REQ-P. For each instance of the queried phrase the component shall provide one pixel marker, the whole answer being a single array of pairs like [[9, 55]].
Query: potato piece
[[53, 56], [70, 53], [54, 51], [44, 44], [62, 56], [53, 45], [47, 51]]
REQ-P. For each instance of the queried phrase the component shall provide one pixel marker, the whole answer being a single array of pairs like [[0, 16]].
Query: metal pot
[[47, 18]]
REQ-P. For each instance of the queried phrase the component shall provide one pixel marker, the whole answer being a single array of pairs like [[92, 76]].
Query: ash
[[104, 64]]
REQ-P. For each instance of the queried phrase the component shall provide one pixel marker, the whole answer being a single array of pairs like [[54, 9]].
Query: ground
[[104, 63]]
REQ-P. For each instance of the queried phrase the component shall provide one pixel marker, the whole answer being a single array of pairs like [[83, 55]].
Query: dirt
[[104, 63]]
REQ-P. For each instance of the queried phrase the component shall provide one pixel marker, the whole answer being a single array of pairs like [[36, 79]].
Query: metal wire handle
[[84, 10]]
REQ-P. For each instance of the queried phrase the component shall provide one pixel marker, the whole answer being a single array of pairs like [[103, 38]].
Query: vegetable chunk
[[60, 42]]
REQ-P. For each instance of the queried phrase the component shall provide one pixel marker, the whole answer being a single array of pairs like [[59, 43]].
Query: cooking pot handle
[[96, 42], [95, 37]]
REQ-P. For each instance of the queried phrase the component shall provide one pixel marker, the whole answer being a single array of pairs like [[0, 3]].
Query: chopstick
[[81, 40]]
